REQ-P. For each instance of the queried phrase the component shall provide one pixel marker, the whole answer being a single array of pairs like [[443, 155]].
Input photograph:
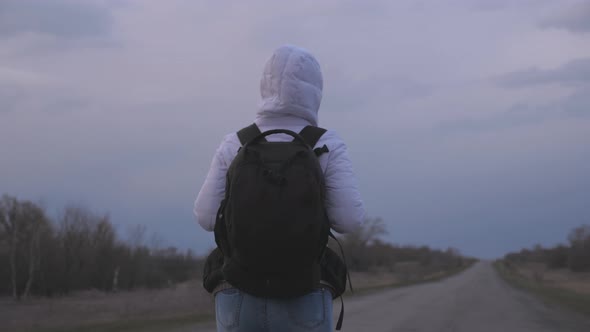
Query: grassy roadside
[[162, 324], [566, 298]]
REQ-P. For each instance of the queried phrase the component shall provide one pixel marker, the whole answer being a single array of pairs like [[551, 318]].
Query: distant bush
[[557, 258], [365, 250], [575, 256], [579, 257]]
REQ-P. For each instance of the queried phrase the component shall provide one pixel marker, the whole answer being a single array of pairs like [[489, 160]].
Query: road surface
[[476, 300]]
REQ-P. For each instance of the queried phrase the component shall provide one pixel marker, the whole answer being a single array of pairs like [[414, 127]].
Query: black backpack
[[272, 226]]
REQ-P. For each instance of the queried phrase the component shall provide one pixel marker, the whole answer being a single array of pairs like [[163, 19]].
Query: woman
[[291, 89]]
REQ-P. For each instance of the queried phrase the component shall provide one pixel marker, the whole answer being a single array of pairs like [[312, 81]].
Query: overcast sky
[[468, 121]]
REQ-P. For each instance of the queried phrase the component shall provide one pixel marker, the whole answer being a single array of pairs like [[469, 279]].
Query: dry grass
[[561, 287], [364, 280], [92, 308], [404, 274], [560, 278]]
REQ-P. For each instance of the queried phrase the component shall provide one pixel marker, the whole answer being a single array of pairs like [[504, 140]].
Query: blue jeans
[[237, 311]]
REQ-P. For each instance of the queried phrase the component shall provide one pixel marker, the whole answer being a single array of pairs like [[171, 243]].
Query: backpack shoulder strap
[[312, 134], [249, 133]]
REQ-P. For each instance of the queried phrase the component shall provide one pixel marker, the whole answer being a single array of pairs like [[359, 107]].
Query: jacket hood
[[291, 85]]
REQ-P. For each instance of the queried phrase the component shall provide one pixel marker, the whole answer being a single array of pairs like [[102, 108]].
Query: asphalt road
[[476, 300]]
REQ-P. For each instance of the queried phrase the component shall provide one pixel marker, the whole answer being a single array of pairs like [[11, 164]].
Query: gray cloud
[[575, 18], [516, 116], [573, 72], [60, 18], [386, 91], [496, 5], [484, 5], [576, 104], [398, 88], [9, 97]]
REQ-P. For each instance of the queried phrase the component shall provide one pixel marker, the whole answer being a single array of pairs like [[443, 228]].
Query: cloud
[[17, 86], [484, 5], [20, 76], [9, 98], [379, 92], [574, 18], [494, 5], [573, 72], [522, 114], [576, 104], [66, 19]]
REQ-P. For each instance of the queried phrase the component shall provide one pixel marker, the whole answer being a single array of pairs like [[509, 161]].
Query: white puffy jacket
[[291, 89]]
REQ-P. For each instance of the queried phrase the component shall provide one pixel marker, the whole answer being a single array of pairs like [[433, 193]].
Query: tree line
[[79, 250], [575, 255], [365, 251]]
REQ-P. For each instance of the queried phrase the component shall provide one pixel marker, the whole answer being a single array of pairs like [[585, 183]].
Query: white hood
[[291, 85]]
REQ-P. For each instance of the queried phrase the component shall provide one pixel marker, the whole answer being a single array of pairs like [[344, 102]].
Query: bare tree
[[103, 243], [579, 235], [357, 245], [156, 242], [8, 220], [23, 222], [74, 233], [579, 257], [368, 233], [136, 235], [34, 219]]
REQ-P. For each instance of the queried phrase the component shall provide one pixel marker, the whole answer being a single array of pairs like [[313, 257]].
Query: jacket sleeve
[[212, 192], [345, 208]]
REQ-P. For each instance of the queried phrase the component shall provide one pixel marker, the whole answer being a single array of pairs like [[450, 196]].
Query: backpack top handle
[[310, 134], [296, 137]]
